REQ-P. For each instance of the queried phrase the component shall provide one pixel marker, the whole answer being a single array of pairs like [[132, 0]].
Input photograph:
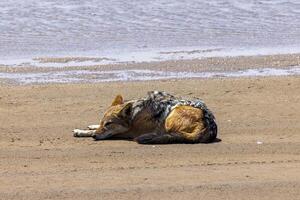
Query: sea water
[[118, 31]]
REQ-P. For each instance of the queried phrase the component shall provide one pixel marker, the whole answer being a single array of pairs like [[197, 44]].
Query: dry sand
[[41, 160]]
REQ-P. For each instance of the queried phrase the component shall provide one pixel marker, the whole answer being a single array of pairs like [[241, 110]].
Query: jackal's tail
[[211, 131], [154, 138]]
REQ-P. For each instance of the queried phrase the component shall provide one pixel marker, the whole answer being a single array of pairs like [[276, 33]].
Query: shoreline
[[270, 65], [92, 77]]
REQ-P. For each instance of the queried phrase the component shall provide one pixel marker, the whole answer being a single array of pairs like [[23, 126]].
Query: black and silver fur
[[162, 103]]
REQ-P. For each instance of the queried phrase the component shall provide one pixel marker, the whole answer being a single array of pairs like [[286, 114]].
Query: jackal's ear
[[126, 111], [117, 101]]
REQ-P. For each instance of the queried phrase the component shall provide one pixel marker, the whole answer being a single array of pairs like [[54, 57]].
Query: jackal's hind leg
[[83, 133], [154, 138]]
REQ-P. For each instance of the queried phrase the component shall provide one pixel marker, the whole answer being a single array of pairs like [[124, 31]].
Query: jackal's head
[[116, 119]]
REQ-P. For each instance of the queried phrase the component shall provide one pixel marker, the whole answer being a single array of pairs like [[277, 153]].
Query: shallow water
[[122, 30]]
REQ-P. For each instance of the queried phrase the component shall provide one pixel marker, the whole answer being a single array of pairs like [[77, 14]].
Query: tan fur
[[116, 113], [117, 101], [187, 121]]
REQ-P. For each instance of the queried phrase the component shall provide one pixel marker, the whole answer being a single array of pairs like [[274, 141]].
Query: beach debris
[[259, 142]]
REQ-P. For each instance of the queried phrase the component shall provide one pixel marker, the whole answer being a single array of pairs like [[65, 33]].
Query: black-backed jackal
[[160, 118]]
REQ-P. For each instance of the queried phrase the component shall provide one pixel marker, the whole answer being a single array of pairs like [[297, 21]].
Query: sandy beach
[[258, 157]]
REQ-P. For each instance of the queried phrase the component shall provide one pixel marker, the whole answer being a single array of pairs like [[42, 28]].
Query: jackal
[[159, 118]]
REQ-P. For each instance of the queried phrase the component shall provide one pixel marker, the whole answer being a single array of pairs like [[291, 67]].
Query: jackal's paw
[[76, 132], [80, 133], [93, 127]]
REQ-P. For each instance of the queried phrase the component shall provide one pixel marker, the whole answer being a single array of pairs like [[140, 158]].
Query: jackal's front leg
[[93, 127], [83, 133], [86, 133]]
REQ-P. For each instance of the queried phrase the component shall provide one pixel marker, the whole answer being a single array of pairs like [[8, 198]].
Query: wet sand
[[258, 157], [193, 65]]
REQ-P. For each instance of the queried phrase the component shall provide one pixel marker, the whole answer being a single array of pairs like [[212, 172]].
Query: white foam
[[90, 76]]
